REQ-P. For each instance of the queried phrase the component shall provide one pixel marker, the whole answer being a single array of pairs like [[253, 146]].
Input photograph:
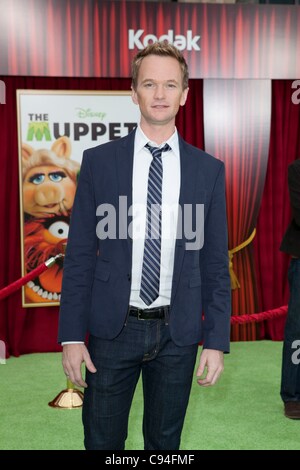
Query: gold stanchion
[[69, 398]]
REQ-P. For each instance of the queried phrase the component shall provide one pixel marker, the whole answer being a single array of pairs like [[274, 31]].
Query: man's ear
[[62, 147], [134, 96], [184, 97]]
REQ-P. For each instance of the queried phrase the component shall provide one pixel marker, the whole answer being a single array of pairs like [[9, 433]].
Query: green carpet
[[243, 411]]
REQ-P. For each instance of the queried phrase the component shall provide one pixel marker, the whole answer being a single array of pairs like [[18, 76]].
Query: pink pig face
[[49, 179], [48, 190]]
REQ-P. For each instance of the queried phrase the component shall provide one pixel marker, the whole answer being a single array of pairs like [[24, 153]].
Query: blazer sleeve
[[214, 262], [80, 259], [294, 190]]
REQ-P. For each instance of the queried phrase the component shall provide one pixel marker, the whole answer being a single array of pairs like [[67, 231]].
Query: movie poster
[[54, 127]]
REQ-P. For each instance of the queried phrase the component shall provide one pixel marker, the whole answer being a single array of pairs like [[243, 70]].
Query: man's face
[[159, 90]]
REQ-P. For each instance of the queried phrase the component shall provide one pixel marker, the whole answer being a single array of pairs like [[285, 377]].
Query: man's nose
[[159, 92]]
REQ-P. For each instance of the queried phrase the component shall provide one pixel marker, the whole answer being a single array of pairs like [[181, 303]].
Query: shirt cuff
[[71, 342]]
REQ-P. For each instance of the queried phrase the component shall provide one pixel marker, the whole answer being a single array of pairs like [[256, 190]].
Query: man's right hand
[[72, 358]]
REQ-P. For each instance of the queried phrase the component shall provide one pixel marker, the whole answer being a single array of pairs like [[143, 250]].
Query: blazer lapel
[[124, 179], [188, 178]]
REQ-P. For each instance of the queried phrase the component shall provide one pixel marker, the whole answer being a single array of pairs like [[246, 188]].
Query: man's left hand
[[211, 362]]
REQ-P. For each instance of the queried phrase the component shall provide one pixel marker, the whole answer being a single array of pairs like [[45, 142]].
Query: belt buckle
[[139, 312]]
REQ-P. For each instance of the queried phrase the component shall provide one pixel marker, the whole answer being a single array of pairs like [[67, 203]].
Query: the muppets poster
[[53, 130]]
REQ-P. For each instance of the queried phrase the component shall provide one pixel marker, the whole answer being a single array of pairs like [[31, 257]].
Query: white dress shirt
[[170, 198]]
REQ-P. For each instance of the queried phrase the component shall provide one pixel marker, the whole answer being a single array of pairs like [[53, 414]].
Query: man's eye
[[37, 179], [148, 85]]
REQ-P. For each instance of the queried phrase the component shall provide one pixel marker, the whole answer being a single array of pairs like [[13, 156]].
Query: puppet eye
[[57, 176], [38, 178], [59, 229]]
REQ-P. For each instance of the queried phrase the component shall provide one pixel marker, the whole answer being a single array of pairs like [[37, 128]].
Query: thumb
[[201, 367], [88, 362]]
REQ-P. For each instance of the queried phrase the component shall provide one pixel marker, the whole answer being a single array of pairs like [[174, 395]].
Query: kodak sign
[[189, 42]]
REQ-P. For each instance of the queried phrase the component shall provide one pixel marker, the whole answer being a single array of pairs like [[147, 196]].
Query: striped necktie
[[152, 248]]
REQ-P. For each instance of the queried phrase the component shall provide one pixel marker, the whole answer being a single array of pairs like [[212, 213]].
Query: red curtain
[[89, 38], [275, 213], [35, 329], [237, 117]]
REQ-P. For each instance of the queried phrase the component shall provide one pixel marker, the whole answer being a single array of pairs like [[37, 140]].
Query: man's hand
[[73, 356], [213, 361]]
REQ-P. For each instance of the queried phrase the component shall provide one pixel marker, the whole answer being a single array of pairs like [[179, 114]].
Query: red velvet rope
[[6, 291], [235, 319], [258, 317]]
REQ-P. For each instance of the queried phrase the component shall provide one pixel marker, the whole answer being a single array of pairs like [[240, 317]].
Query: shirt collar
[[141, 140]]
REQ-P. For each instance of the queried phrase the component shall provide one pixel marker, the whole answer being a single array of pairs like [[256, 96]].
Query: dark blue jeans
[[290, 379], [167, 372]]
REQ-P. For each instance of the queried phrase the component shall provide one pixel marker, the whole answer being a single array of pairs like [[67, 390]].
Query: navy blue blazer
[[97, 273]]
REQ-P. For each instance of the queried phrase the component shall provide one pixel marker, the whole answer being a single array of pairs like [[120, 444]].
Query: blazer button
[[128, 277]]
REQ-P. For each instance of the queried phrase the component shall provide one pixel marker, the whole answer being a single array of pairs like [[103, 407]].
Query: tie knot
[[157, 151]]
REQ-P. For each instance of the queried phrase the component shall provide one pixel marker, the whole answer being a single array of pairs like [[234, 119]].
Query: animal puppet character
[[44, 238]]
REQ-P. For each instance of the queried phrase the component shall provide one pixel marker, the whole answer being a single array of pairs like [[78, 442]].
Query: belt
[[149, 313]]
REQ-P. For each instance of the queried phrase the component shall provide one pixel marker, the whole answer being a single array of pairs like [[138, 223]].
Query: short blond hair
[[161, 49]]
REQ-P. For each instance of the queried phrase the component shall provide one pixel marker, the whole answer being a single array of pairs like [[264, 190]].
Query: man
[[141, 298], [290, 378]]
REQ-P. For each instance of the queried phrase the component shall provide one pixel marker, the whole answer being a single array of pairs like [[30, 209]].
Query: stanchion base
[[68, 399]]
